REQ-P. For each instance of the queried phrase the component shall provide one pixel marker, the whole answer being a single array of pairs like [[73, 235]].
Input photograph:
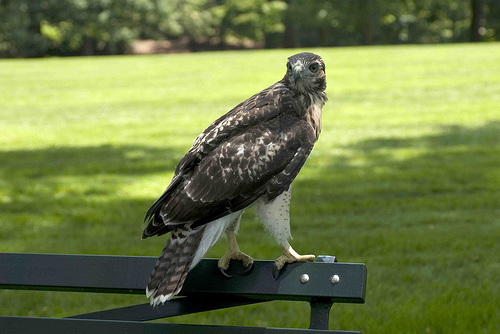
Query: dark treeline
[[34, 28]]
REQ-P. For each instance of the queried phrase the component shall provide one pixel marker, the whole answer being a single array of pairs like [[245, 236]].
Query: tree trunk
[[88, 46], [322, 36], [366, 9], [222, 34], [477, 14], [290, 37]]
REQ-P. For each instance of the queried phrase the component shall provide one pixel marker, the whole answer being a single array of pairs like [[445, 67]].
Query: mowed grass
[[405, 177]]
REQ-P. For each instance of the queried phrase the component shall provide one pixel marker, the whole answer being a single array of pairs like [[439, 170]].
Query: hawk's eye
[[289, 66], [314, 67]]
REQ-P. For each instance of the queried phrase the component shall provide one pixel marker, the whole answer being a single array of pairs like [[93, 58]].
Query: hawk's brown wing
[[256, 149]]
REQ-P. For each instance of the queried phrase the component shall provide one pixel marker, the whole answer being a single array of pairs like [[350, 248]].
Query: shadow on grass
[[77, 192], [88, 160], [72, 199], [450, 177], [487, 136]]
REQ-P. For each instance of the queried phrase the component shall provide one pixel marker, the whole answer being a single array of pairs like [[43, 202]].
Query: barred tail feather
[[173, 264], [183, 251]]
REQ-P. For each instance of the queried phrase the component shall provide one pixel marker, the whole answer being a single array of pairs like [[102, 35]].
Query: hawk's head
[[305, 73]]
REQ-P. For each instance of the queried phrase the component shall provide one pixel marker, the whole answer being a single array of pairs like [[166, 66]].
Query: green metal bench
[[321, 283]]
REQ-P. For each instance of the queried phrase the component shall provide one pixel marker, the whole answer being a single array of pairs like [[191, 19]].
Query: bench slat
[[175, 307], [129, 274], [22, 325]]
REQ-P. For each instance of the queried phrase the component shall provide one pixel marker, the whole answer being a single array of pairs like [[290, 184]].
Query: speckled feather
[[253, 152]]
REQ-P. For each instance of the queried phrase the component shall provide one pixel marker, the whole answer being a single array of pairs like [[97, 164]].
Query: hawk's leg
[[234, 252], [275, 215], [289, 256]]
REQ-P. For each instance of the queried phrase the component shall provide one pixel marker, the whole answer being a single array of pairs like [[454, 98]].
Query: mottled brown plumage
[[253, 152]]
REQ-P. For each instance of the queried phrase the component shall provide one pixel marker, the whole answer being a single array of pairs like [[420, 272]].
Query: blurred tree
[[477, 13], [355, 22], [428, 21], [325, 22], [192, 18], [20, 29], [36, 28], [485, 25], [289, 33], [250, 19], [31, 28]]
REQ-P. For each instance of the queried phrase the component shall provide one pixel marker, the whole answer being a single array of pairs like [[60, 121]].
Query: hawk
[[249, 156]]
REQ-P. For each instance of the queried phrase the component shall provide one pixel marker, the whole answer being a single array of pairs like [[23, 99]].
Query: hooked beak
[[297, 72]]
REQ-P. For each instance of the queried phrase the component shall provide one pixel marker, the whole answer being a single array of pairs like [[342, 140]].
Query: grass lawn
[[405, 177]]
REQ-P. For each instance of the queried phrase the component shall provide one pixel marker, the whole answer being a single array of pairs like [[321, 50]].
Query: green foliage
[[19, 29], [491, 26], [71, 27], [355, 22], [404, 177], [252, 19], [192, 18], [427, 21], [36, 28], [68, 27]]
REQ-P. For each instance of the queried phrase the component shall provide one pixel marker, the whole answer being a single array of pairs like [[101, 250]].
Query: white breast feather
[[275, 216]]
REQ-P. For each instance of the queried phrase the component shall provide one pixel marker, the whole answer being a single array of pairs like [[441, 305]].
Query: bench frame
[[205, 289]]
